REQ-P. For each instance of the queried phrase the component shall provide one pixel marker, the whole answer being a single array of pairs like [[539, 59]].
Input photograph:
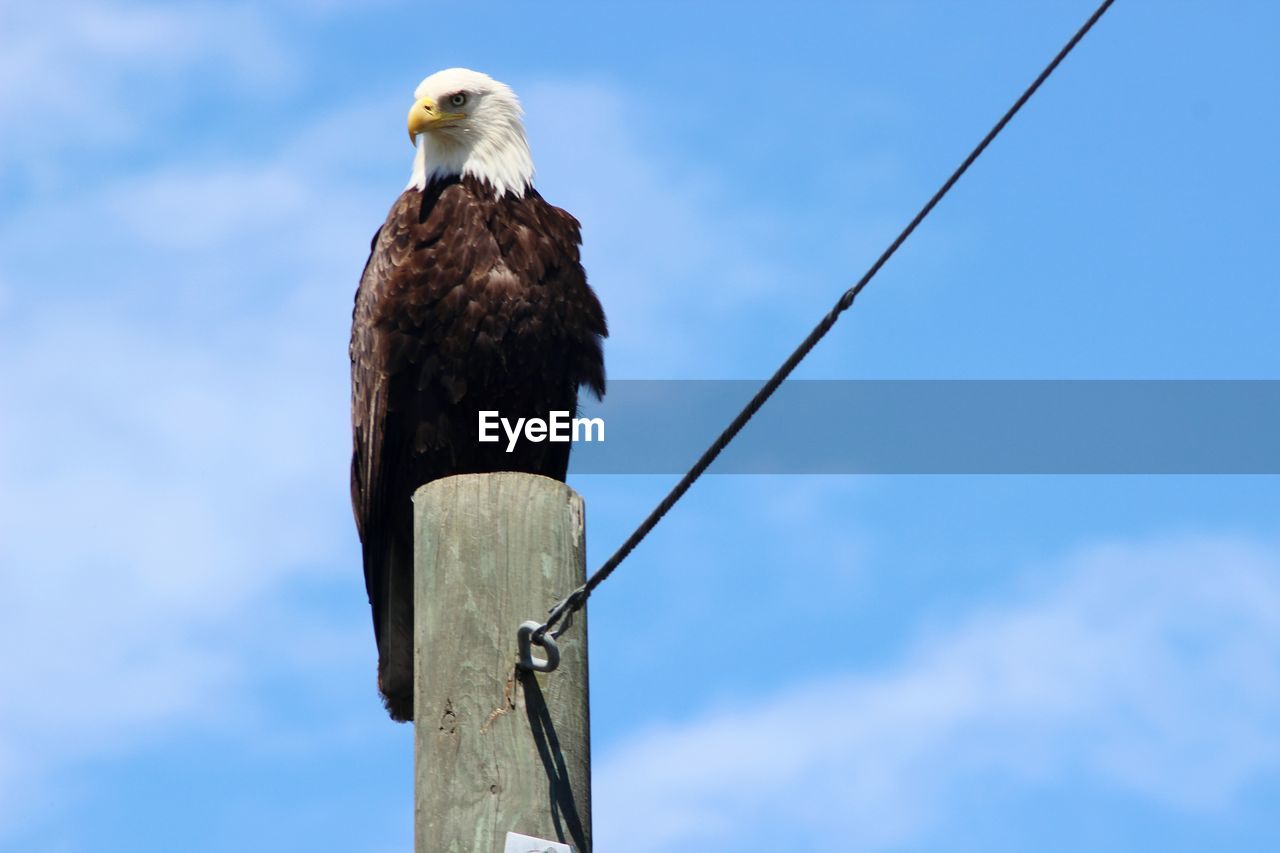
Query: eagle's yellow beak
[[425, 114]]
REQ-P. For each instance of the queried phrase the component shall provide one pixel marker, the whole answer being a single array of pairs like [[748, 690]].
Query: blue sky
[[187, 193]]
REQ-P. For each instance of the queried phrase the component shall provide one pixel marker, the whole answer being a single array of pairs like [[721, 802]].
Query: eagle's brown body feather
[[467, 303]]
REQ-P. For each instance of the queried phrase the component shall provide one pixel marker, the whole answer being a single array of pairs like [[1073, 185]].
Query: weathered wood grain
[[497, 750]]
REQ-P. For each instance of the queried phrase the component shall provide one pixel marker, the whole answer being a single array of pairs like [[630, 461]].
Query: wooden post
[[497, 750]]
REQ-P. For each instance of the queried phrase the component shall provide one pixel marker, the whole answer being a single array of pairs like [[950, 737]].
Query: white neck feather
[[494, 152]]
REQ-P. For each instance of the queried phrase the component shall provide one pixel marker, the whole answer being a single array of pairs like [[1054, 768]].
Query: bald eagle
[[473, 298]]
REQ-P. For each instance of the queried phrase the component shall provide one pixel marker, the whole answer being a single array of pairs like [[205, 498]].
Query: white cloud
[[201, 208], [173, 452], [1149, 669], [77, 75], [151, 493]]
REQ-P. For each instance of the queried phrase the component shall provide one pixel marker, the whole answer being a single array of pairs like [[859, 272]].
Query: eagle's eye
[[458, 99]]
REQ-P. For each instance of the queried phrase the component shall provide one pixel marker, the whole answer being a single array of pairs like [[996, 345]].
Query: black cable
[[574, 601]]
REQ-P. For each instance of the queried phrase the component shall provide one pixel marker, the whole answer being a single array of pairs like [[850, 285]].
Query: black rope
[[574, 601]]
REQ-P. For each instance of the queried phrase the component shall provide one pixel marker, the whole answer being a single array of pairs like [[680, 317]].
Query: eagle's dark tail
[[394, 623]]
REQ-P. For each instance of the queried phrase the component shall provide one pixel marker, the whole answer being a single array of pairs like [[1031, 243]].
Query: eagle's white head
[[466, 123]]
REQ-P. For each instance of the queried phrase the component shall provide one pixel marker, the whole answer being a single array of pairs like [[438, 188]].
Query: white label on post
[[517, 843]]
